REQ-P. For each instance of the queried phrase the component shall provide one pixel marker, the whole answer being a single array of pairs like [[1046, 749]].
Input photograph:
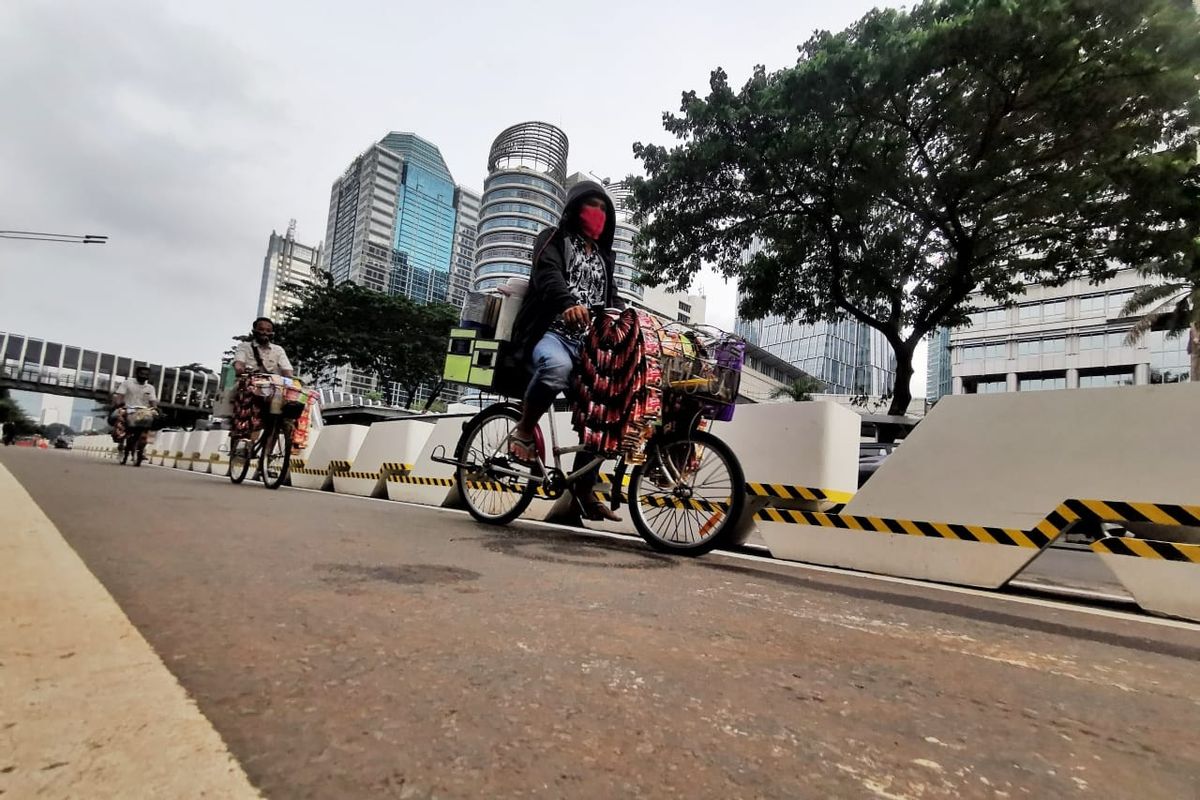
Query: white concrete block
[[335, 443], [443, 439], [398, 442], [919, 557], [811, 444], [1008, 460], [1171, 588], [193, 443], [216, 443]]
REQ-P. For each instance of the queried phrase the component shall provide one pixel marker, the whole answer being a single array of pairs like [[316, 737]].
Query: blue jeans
[[554, 360]]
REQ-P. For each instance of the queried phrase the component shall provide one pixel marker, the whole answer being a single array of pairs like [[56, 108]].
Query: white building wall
[[1065, 337]]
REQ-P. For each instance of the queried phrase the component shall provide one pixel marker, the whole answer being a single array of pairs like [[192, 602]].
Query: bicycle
[[273, 447], [686, 497], [138, 420]]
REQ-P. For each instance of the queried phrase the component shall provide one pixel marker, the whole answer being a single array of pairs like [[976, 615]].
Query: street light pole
[[61, 238]]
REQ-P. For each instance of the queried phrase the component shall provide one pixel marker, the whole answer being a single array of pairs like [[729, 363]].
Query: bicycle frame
[[556, 453]]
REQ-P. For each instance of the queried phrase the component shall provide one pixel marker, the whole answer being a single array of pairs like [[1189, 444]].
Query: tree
[[920, 156], [392, 337], [801, 389], [409, 346], [327, 328], [11, 412], [1171, 302]]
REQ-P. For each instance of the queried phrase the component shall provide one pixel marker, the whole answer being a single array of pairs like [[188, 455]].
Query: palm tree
[[1173, 306], [799, 390]]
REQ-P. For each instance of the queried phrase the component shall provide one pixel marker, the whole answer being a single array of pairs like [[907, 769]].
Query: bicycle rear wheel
[[240, 455], [492, 497], [688, 496], [276, 458]]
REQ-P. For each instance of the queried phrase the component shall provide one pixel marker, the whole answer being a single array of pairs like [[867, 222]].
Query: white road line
[[865, 576], [94, 711]]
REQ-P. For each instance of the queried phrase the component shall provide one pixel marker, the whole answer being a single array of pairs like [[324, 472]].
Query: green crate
[[471, 360]]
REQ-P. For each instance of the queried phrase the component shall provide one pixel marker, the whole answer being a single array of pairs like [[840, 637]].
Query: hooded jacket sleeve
[[549, 274]]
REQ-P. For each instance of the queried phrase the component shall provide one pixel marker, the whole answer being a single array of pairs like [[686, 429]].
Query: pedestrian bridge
[[35, 365]]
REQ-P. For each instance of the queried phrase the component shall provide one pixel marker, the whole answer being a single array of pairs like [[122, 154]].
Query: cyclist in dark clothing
[[573, 267]]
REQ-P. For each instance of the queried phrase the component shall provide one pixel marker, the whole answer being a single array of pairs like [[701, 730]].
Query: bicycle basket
[[140, 417], [702, 363]]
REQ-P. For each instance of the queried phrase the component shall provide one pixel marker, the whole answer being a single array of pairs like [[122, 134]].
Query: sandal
[[596, 511], [522, 448]]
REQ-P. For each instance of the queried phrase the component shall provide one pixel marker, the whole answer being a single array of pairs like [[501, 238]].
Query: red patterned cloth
[[617, 394]]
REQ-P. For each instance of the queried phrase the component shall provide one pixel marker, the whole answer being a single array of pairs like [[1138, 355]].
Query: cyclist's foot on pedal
[[596, 511], [522, 448]]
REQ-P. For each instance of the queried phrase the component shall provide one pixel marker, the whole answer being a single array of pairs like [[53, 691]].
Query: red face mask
[[591, 220]]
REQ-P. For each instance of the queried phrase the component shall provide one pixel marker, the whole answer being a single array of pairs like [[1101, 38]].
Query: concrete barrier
[[193, 443], [335, 443], [214, 453], [1163, 577], [429, 482], [794, 455], [390, 448], [982, 468], [167, 448]]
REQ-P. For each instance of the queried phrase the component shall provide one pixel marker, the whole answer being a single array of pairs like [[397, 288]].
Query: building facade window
[[1041, 382]]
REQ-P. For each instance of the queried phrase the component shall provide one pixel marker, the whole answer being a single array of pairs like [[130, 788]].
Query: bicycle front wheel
[[276, 456], [688, 496], [491, 496], [240, 454]]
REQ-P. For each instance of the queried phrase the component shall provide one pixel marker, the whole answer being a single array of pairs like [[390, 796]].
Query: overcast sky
[[187, 131]]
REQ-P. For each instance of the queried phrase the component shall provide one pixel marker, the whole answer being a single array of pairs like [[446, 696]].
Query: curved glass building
[[523, 194]]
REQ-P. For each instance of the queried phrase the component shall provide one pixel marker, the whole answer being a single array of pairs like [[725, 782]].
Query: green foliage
[[10, 412], [799, 390], [921, 155], [392, 337], [1172, 302]]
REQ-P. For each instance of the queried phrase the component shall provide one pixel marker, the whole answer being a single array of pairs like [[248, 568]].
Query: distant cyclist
[[135, 392], [257, 356]]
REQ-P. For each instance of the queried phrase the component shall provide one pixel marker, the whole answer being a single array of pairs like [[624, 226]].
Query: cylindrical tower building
[[626, 272], [522, 195]]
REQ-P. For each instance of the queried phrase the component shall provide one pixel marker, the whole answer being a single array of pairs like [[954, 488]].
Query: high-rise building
[[522, 195], [288, 264], [466, 228], [1065, 337], [850, 358], [938, 380], [847, 356], [391, 220]]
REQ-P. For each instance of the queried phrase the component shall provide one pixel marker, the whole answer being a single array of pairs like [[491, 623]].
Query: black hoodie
[[548, 294]]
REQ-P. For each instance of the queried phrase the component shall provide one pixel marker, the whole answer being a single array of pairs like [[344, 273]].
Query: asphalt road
[[350, 648]]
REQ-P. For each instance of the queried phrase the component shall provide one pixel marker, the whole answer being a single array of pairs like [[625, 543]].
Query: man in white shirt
[[259, 354], [256, 356], [135, 392]]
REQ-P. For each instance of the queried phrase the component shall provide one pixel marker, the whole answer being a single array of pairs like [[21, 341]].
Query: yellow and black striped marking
[[1116, 511], [417, 481], [783, 491], [666, 501], [1146, 548], [365, 476], [394, 467], [297, 463], [937, 530], [339, 466], [304, 471]]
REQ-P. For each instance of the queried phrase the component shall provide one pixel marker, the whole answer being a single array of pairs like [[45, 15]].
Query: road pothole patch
[[344, 575]]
